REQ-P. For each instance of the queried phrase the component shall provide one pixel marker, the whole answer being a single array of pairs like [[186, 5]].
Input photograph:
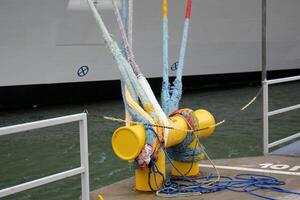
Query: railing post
[[85, 185], [264, 76], [265, 117]]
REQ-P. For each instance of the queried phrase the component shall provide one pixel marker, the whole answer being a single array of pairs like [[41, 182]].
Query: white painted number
[[295, 168], [265, 165], [279, 166]]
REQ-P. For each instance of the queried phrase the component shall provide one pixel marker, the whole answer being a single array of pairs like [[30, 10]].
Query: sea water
[[35, 154]]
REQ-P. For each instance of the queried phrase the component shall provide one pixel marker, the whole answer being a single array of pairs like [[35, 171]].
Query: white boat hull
[[45, 42]]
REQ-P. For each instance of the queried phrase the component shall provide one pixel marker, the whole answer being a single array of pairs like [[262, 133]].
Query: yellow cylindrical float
[[178, 134], [128, 141], [142, 182], [206, 122]]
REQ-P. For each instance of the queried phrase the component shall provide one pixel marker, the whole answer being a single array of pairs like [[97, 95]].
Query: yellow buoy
[[141, 176], [206, 122], [178, 134], [128, 141]]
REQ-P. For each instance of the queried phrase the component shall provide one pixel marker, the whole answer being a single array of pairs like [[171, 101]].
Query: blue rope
[[168, 156], [176, 90], [248, 183], [165, 93], [171, 96], [153, 168], [183, 153]]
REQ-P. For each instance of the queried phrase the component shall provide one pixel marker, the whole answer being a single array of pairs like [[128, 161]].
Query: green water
[[34, 154]]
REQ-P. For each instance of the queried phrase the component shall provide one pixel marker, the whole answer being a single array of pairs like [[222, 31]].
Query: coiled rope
[[248, 183]]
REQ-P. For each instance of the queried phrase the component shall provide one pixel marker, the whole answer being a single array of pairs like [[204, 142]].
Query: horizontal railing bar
[[283, 80], [282, 110], [41, 124], [42, 181], [284, 140]]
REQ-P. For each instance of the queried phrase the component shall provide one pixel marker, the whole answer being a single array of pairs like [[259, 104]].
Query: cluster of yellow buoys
[[129, 141]]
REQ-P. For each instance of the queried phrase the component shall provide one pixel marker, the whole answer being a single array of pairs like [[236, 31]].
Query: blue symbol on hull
[[82, 71], [174, 66]]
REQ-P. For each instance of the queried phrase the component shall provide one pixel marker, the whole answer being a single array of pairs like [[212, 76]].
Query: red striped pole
[[188, 9]]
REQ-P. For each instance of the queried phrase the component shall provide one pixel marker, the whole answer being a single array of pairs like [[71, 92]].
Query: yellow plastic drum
[[128, 141], [142, 176], [178, 134], [206, 122]]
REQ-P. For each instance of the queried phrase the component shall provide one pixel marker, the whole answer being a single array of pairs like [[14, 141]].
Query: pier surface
[[282, 167], [292, 149]]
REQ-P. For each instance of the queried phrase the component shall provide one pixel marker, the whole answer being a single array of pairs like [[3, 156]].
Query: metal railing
[[267, 113], [83, 169]]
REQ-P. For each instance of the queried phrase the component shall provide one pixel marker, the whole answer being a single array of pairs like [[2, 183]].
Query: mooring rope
[[177, 84], [153, 106], [165, 93], [171, 95], [135, 84]]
